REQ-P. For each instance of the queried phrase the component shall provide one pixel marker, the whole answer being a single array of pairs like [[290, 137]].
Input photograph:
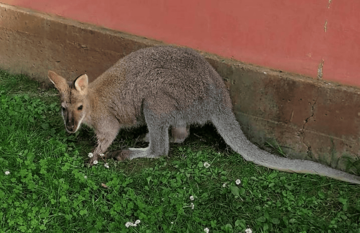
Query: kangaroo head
[[74, 101]]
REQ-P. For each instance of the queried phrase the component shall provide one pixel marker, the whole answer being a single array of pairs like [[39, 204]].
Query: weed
[[276, 147]]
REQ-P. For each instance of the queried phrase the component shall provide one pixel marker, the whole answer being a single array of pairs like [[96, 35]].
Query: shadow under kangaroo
[[164, 87]]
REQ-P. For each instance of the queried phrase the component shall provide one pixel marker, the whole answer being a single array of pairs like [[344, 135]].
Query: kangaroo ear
[[58, 81], [81, 83]]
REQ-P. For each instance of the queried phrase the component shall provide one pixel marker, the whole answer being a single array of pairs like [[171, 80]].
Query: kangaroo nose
[[70, 127]]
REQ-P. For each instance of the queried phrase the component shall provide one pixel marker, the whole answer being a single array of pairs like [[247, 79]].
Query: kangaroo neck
[[93, 107]]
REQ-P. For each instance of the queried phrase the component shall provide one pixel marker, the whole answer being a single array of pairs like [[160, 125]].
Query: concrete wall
[[314, 38], [309, 118]]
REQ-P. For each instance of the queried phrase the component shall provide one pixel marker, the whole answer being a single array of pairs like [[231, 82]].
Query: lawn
[[45, 184]]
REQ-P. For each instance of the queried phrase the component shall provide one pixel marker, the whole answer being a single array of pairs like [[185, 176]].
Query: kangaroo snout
[[70, 123], [70, 128]]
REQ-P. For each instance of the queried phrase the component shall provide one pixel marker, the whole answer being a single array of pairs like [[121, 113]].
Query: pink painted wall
[[294, 36]]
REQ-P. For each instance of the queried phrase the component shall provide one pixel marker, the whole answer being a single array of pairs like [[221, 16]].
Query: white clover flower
[[128, 224], [206, 165], [91, 155], [238, 181], [137, 222], [106, 165], [207, 230], [7, 173], [95, 162], [192, 206], [224, 185], [248, 230], [85, 177], [172, 222], [192, 198], [102, 155]]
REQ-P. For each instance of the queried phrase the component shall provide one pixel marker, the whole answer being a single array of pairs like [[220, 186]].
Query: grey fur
[[165, 87]]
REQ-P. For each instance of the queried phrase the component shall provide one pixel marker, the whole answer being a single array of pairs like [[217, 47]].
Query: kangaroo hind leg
[[158, 145]]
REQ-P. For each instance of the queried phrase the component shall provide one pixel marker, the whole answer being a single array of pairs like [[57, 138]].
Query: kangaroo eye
[[80, 107]]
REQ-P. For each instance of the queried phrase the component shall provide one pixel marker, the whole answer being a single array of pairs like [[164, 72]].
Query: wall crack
[[302, 130], [312, 114]]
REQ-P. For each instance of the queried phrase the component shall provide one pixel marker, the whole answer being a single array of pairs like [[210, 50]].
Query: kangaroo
[[164, 87]]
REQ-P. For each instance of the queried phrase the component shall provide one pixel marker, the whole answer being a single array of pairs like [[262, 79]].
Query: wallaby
[[164, 87]]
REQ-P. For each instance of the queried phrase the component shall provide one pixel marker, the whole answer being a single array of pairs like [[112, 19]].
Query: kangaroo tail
[[230, 130]]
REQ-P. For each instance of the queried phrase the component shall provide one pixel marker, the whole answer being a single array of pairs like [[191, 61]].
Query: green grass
[[47, 191]]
